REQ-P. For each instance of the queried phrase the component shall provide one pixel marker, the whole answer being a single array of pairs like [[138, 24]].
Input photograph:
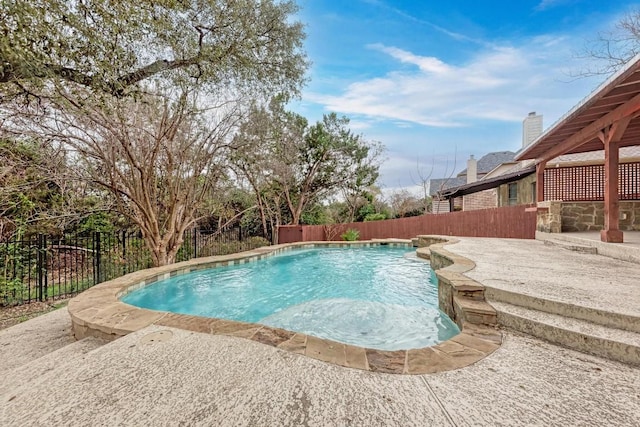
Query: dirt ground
[[10, 316]]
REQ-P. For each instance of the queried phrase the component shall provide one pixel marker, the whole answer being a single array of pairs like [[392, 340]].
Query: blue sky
[[437, 81]]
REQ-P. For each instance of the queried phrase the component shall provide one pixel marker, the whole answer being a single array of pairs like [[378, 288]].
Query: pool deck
[[165, 376]]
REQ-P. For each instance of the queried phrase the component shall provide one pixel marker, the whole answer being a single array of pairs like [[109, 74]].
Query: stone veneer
[[589, 216], [460, 297], [99, 312], [558, 216]]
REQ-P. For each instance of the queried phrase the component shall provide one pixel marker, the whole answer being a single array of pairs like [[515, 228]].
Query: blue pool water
[[377, 297]]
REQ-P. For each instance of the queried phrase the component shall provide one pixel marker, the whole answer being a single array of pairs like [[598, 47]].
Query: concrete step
[[598, 316], [629, 251], [575, 247], [27, 341], [30, 372], [581, 335]]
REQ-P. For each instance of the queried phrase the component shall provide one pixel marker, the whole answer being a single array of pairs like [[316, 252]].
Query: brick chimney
[[531, 128], [472, 170]]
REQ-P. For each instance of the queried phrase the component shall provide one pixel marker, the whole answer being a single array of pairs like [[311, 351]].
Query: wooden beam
[[620, 127], [589, 132], [615, 132], [540, 181]]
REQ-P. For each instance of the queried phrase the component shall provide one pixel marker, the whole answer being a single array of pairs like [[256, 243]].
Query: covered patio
[[609, 118]]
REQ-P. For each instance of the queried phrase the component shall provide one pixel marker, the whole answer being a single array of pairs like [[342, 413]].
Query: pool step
[[462, 286], [474, 311], [581, 335]]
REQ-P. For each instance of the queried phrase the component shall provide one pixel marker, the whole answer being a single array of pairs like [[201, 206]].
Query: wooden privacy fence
[[518, 222]]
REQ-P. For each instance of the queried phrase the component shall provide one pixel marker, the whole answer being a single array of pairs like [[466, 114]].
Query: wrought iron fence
[[40, 267]]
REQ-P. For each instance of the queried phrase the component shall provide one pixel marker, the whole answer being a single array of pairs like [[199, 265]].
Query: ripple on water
[[366, 323]]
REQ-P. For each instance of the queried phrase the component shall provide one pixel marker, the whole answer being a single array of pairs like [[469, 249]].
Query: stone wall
[[589, 216], [557, 217]]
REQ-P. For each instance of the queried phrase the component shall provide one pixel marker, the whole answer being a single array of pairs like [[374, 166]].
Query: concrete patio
[[167, 376]]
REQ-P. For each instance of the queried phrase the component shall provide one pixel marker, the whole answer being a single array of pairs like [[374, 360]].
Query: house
[[487, 166], [497, 187], [587, 165], [517, 186]]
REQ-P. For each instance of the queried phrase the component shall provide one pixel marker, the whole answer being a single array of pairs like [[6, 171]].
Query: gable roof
[[490, 161], [440, 184], [487, 184]]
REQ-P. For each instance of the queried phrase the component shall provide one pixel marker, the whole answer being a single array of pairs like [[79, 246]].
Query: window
[[513, 194]]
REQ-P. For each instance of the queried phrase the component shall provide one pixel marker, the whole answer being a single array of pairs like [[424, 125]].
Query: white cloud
[[427, 64], [498, 83], [358, 125]]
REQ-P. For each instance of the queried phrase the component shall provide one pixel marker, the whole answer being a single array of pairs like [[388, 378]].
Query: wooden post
[[611, 232], [540, 181]]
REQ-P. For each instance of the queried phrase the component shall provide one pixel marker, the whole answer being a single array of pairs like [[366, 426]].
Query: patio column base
[[611, 236]]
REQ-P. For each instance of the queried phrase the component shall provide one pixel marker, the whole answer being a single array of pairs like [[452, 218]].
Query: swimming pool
[[375, 297]]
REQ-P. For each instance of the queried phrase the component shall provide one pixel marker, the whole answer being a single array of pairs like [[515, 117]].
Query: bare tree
[[159, 156], [423, 181], [614, 48], [404, 204]]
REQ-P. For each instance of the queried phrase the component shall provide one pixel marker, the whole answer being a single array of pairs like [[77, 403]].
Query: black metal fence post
[[194, 231], [124, 252], [96, 257], [41, 265]]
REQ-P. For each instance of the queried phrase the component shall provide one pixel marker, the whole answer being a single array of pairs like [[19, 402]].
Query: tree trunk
[[159, 257], [161, 252]]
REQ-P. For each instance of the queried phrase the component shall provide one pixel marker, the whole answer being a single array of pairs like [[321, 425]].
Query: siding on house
[[525, 191], [480, 200]]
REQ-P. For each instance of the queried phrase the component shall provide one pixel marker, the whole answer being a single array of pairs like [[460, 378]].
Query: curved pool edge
[[98, 312]]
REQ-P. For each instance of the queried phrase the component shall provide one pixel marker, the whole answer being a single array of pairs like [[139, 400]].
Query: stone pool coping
[[98, 312]]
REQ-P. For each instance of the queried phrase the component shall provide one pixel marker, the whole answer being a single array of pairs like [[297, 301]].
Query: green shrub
[[375, 217], [12, 292], [350, 235], [227, 248], [256, 242]]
